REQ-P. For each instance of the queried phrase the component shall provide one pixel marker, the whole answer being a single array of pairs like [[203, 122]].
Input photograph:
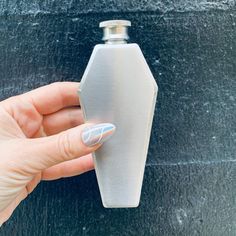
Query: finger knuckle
[[65, 147]]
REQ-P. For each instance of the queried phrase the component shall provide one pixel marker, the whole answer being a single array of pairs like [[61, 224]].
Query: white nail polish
[[97, 134]]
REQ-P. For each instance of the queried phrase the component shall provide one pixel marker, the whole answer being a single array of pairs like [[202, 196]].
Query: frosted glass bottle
[[118, 87]]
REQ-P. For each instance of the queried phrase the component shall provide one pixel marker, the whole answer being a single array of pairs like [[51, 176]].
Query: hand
[[41, 137]]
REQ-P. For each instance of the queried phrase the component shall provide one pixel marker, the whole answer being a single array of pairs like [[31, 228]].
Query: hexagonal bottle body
[[118, 87]]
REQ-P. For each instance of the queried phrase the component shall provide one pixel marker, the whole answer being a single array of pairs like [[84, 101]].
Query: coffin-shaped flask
[[118, 87]]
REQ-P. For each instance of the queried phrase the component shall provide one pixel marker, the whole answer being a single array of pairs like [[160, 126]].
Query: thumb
[[73, 143]]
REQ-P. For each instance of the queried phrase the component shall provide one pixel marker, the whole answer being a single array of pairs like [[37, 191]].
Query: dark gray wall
[[190, 178]]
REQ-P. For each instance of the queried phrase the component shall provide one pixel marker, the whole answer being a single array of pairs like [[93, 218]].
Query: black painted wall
[[190, 178]]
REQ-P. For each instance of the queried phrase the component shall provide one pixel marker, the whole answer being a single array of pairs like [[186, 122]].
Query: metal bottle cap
[[115, 31]]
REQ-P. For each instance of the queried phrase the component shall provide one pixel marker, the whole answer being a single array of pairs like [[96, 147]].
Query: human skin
[[41, 139]]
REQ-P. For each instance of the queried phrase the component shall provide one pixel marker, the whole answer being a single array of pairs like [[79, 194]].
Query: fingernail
[[97, 134]]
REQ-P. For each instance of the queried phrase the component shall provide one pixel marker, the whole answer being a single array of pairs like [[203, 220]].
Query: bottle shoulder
[[132, 46], [126, 60]]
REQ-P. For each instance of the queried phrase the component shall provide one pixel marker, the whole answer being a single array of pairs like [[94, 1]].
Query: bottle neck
[[120, 41]]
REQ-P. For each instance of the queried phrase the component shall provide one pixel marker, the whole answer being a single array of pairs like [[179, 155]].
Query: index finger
[[53, 97]]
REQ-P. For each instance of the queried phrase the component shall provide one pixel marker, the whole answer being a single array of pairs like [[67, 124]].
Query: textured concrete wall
[[189, 185]]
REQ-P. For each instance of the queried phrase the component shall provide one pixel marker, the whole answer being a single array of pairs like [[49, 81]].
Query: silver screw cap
[[115, 31]]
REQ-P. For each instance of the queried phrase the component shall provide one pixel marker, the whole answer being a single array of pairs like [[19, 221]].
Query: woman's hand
[[41, 137]]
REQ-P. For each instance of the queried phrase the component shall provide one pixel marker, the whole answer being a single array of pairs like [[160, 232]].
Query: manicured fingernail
[[97, 134]]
